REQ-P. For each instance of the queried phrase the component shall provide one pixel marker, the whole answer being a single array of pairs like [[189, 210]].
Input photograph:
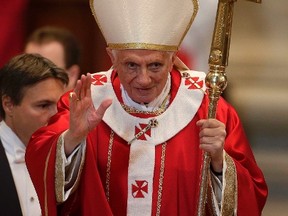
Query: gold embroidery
[[108, 167], [142, 46], [156, 112], [161, 178], [60, 171], [59, 175], [229, 198], [134, 110]]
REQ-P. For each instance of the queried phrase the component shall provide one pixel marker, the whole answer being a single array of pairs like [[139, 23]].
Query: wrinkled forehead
[[142, 53]]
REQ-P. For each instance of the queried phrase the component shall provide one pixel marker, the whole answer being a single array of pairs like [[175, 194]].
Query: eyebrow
[[44, 101]]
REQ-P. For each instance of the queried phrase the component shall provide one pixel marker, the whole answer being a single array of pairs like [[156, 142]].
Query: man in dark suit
[[30, 88]]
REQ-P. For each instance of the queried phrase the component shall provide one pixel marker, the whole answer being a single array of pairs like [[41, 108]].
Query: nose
[[143, 77], [53, 110]]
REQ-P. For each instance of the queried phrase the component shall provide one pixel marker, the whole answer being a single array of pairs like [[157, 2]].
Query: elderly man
[[130, 141]]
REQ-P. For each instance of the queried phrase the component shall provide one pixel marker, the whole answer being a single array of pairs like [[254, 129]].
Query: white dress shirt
[[15, 152]]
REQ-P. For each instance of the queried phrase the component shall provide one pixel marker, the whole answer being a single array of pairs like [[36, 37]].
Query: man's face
[[37, 106], [143, 73]]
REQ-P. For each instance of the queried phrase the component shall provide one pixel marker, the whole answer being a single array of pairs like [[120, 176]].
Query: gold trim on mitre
[[151, 24], [143, 46]]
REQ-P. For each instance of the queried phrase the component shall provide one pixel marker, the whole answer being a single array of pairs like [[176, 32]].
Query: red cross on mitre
[[99, 79], [139, 189], [194, 83], [141, 128]]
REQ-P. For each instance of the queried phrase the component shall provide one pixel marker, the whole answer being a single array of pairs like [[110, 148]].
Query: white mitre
[[144, 24]]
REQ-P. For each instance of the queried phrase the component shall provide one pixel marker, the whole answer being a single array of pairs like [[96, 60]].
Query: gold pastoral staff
[[216, 82]]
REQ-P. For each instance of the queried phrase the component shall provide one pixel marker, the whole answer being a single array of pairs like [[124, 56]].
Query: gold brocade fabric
[[59, 174], [61, 171], [229, 199]]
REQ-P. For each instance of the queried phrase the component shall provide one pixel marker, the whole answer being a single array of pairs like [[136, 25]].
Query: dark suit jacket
[[9, 202]]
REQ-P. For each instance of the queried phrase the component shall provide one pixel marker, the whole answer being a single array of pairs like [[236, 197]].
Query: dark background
[[76, 16]]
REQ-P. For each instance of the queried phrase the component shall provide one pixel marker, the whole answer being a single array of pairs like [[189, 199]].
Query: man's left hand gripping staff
[[212, 137]]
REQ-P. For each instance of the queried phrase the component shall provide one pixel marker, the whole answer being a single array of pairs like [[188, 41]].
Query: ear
[[73, 74], [109, 52], [173, 59], [74, 70], [8, 105], [174, 56]]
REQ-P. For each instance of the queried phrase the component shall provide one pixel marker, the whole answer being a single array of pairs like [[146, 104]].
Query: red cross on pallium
[[139, 188], [142, 126], [193, 83], [99, 79]]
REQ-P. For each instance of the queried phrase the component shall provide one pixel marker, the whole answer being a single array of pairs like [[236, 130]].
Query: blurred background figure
[[60, 46], [30, 89]]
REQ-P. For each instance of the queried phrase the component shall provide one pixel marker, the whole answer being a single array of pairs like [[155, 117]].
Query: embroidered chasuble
[[145, 163]]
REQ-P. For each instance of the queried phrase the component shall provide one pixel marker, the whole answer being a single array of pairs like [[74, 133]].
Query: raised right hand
[[83, 115]]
